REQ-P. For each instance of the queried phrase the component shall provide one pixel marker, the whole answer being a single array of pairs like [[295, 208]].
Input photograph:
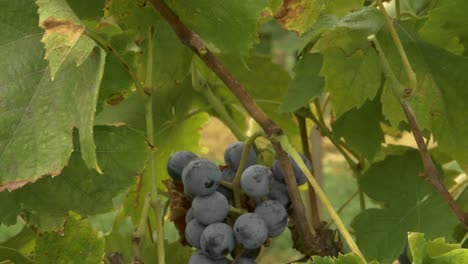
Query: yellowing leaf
[[299, 15], [64, 36]]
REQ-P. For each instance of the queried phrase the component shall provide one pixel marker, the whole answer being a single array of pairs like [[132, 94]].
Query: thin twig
[[317, 157], [313, 203], [413, 84], [155, 199], [343, 206], [140, 230], [326, 132], [323, 198], [236, 186], [109, 49], [325, 102], [203, 87], [397, 9]]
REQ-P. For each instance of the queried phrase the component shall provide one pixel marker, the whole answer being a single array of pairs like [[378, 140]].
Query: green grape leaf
[[13, 255], [360, 128], [449, 127], [267, 84], [133, 15], [117, 240], [116, 81], [7, 232], [225, 96], [463, 199], [439, 102], [171, 58], [175, 129], [306, 84], [446, 26], [341, 259], [324, 23], [87, 9], [121, 152], [123, 228], [64, 37], [435, 251], [351, 67], [79, 243], [234, 29], [343, 7], [410, 205], [299, 15], [38, 114]]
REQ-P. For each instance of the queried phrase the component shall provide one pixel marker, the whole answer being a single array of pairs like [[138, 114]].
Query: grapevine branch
[[431, 173], [195, 43]]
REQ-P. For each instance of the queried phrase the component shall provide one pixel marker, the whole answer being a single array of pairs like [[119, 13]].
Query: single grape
[[211, 208], [201, 177], [256, 181], [250, 230], [199, 257], [217, 240], [177, 162], [279, 192], [227, 174], [189, 216], [300, 176], [193, 232], [274, 215], [233, 154]]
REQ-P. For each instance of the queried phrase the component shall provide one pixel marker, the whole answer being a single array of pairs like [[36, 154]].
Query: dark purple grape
[[250, 230], [201, 177], [233, 154], [227, 174], [256, 181], [279, 192], [217, 240], [274, 215], [210, 209], [200, 257], [189, 216], [193, 232], [177, 162], [300, 176]]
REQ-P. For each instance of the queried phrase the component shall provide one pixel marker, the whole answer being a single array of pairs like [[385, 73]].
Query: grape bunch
[[210, 228]]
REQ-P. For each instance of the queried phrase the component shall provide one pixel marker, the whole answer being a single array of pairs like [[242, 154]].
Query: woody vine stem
[[272, 130], [404, 94]]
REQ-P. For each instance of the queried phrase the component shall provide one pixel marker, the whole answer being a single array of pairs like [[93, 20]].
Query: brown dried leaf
[[179, 206]]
